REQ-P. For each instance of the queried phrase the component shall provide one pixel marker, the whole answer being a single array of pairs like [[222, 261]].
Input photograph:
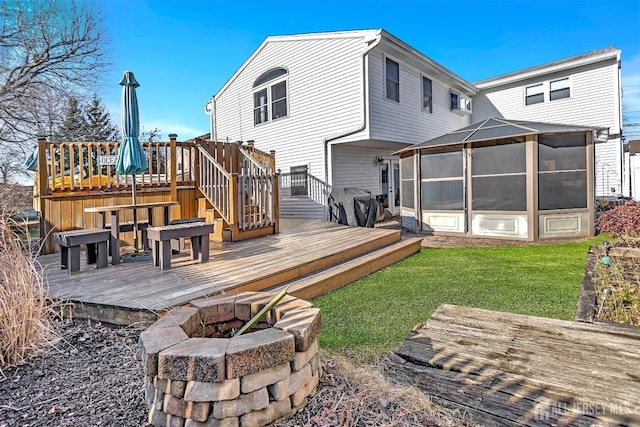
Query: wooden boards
[[301, 248], [510, 369]]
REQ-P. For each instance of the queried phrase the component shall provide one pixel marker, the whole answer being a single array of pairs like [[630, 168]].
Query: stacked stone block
[[198, 374]]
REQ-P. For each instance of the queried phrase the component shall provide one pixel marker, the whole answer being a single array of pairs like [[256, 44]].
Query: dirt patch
[[91, 376]]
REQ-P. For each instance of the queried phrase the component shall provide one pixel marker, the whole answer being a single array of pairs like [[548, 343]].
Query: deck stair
[[341, 274], [239, 190]]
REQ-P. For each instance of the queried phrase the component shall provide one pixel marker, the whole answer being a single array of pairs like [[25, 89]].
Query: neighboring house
[[334, 107], [581, 90]]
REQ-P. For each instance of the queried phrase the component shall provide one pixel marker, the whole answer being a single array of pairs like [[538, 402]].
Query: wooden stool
[[160, 239], [95, 242]]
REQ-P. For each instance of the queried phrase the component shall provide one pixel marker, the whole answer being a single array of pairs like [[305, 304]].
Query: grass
[[373, 315]]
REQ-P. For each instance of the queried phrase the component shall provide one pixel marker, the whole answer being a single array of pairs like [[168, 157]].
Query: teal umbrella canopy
[[131, 156]]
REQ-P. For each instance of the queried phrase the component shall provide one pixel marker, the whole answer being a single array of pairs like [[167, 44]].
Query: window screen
[[442, 195], [499, 159], [499, 193], [441, 165], [562, 171], [499, 181]]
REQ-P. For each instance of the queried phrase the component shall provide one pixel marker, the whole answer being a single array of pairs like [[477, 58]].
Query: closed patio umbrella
[[131, 157]]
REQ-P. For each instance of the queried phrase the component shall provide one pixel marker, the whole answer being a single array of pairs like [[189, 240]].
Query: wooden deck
[[133, 292], [506, 369]]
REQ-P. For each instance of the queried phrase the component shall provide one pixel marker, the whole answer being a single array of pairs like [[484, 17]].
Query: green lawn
[[374, 314]]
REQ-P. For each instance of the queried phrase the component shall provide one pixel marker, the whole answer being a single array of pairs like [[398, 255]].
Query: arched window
[[270, 96]]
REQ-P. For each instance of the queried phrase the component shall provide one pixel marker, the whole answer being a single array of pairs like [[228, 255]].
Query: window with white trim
[[392, 80], [270, 96], [427, 95], [547, 91], [559, 89], [460, 102], [534, 94]]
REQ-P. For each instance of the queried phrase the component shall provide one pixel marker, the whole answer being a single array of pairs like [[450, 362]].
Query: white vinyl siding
[[324, 97], [357, 167], [593, 102], [405, 121]]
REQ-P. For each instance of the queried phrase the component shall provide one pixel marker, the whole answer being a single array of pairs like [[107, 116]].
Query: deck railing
[[90, 166], [257, 201], [216, 184], [301, 184]]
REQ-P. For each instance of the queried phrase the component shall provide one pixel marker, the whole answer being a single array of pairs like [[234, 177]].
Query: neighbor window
[[392, 75], [547, 91], [559, 89], [534, 94], [427, 95], [299, 181], [562, 171], [270, 96]]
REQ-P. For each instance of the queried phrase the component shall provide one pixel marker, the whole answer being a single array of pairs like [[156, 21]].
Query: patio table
[[114, 212]]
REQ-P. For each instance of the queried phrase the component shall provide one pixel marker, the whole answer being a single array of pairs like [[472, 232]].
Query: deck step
[[324, 281]]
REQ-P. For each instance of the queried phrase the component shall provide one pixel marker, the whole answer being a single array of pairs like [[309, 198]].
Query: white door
[[390, 185]]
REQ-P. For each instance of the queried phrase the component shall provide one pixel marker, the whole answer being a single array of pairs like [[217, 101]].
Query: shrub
[[25, 311], [622, 223]]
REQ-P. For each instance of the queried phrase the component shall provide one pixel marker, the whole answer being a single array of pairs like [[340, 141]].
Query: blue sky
[[182, 52]]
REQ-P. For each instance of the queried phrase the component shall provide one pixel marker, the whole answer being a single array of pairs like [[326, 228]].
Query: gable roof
[[368, 37], [586, 58], [489, 129]]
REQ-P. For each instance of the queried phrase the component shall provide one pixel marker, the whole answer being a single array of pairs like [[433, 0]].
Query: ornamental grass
[[26, 312]]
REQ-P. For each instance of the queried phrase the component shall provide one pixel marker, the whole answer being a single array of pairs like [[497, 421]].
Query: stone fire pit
[[197, 374]]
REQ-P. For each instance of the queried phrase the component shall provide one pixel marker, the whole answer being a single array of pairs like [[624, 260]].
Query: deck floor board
[[300, 247], [506, 369]]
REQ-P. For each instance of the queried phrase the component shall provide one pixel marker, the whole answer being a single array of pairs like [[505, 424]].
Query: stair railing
[[216, 184], [257, 201]]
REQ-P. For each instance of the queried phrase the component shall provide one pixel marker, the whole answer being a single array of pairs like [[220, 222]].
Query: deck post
[[276, 202], [173, 164], [42, 178]]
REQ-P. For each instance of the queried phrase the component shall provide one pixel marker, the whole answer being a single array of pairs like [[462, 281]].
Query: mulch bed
[[90, 376]]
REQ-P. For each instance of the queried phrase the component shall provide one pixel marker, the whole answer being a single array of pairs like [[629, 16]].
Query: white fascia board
[[538, 72], [366, 35], [459, 82]]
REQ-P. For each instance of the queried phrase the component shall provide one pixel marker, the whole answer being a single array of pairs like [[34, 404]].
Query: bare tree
[[47, 47]]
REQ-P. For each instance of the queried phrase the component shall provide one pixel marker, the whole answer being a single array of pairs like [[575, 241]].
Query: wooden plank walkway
[[137, 291], [506, 369]]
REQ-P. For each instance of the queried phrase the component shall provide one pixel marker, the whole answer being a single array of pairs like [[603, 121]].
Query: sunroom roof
[[495, 129]]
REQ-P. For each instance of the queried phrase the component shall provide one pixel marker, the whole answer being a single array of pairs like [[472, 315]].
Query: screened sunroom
[[502, 179]]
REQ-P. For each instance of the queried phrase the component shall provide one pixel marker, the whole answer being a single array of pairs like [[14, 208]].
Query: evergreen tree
[[98, 122], [73, 128]]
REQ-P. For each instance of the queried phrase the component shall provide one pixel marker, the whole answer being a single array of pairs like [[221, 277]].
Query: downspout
[[211, 112], [363, 126]]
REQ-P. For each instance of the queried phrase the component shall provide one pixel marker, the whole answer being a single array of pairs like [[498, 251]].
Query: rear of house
[[335, 107]]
